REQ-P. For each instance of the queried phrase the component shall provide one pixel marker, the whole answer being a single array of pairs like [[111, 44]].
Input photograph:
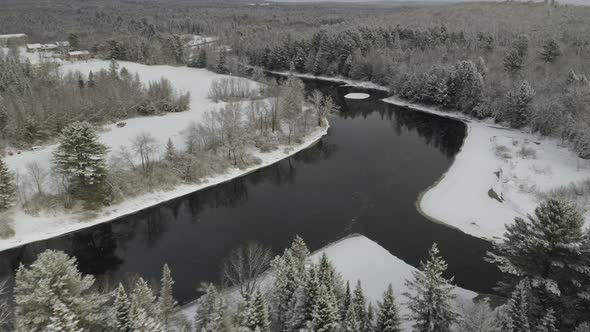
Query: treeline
[[545, 259], [532, 79], [37, 102]]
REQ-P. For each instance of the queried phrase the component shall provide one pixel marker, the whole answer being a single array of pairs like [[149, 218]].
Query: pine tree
[[552, 249], [547, 323], [143, 304], [388, 318], [257, 316], [166, 302], [170, 154], [82, 159], [91, 83], [479, 317], [286, 282], [371, 317], [210, 311], [7, 187], [221, 65], [518, 308], [53, 278], [350, 322], [325, 313], [583, 327], [360, 306], [300, 252], [513, 62], [121, 307], [144, 322], [312, 293], [520, 101], [430, 296], [346, 301], [201, 61], [62, 319], [551, 50]]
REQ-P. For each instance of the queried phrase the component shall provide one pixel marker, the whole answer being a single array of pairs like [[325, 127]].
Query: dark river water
[[363, 177]]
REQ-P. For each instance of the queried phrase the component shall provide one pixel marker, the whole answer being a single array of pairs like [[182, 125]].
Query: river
[[363, 177]]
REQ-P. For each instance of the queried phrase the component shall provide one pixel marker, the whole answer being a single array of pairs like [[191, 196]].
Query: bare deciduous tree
[[5, 309], [244, 267], [145, 146], [37, 174]]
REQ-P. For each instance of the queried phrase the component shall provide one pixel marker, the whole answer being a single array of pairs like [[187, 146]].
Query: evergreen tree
[[7, 187], [518, 308], [210, 311], [166, 302], [431, 296], [300, 252], [201, 61], [350, 322], [91, 83], [552, 249], [312, 293], [82, 159], [520, 102], [346, 301], [221, 64], [121, 307], [551, 50], [583, 327], [74, 40], [388, 318], [371, 317], [285, 285], [257, 314], [143, 322], [547, 323], [465, 87], [143, 304], [62, 320], [171, 153], [360, 306], [53, 278], [114, 70], [325, 313]]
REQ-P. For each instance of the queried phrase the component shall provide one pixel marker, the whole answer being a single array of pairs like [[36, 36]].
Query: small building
[[32, 48], [63, 47], [16, 39], [78, 55]]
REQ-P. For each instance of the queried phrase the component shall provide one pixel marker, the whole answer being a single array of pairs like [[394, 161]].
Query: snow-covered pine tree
[[371, 317], [520, 102], [121, 308], [210, 311], [300, 253], [7, 187], [143, 302], [143, 322], [285, 285], [346, 301], [479, 317], [257, 315], [551, 50], [52, 278], [518, 308], [350, 322], [359, 302], [583, 327], [166, 301], [430, 295], [325, 314], [552, 249], [62, 320], [547, 323], [82, 159], [312, 293], [388, 315], [221, 64], [171, 154]]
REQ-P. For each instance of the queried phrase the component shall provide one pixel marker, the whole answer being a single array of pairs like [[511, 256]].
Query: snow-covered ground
[[359, 258], [496, 177], [196, 81], [357, 96]]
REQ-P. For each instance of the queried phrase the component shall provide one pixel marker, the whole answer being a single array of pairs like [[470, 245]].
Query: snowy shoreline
[[492, 179], [50, 227]]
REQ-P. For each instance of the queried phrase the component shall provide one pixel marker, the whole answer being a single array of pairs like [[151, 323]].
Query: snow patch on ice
[[358, 96]]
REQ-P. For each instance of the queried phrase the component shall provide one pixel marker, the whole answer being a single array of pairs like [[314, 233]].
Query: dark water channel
[[363, 177]]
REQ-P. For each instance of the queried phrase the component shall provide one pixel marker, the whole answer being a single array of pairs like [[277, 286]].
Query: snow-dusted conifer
[[518, 308], [52, 278], [171, 154], [370, 317], [520, 101], [388, 317], [7, 187], [547, 323], [300, 252], [257, 314], [583, 327], [359, 302], [551, 50], [479, 317], [82, 159], [121, 308], [350, 322], [210, 311], [552, 249], [312, 293], [325, 314], [346, 301], [430, 296], [62, 320], [286, 283], [143, 322], [143, 302], [166, 302]]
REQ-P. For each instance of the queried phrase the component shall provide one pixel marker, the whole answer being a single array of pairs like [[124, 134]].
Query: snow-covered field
[[196, 81], [359, 258], [496, 177]]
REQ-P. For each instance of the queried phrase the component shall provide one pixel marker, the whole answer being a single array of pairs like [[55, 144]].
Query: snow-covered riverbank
[[29, 228], [497, 176], [359, 258]]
